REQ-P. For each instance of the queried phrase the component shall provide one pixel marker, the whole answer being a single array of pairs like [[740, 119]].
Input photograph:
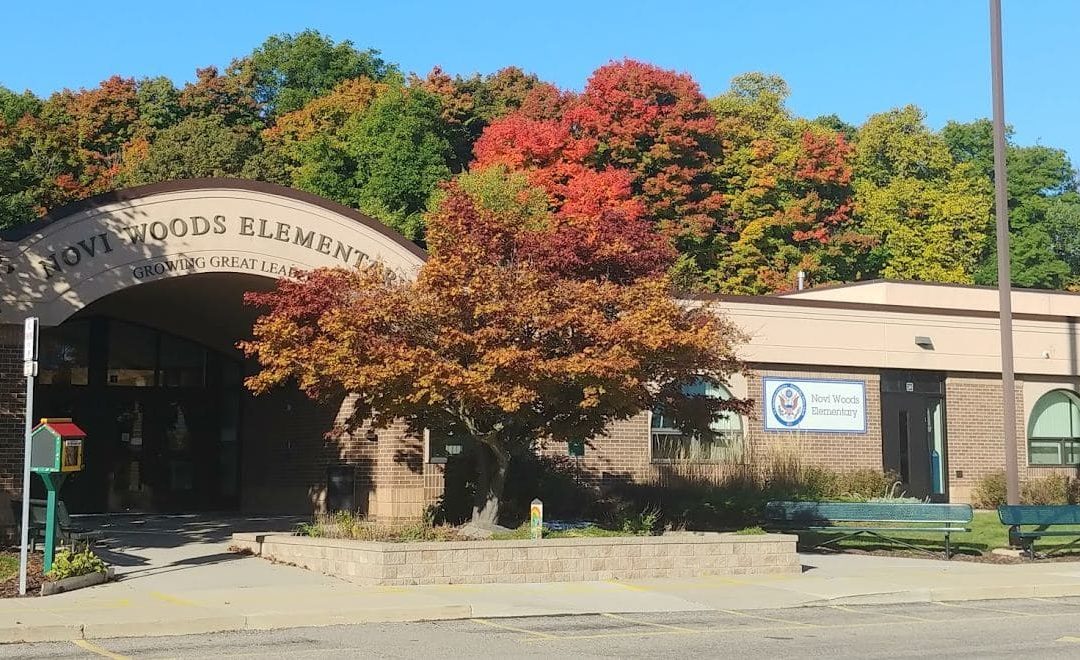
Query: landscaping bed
[[9, 574], [682, 554]]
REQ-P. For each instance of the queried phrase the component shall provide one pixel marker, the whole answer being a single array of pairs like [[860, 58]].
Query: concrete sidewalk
[[244, 593]]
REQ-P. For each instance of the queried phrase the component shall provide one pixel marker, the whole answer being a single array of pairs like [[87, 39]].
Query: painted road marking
[[985, 609], [646, 623], [514, 629], [899, 616], [175, 600], [1068, 639], [97, 650], [770, 618]]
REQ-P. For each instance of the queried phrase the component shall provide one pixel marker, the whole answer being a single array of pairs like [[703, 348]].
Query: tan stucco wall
[[854, 336], [67, 263]]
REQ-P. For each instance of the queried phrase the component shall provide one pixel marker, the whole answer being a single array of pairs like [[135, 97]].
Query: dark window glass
[[132, 355], [913, 382], [63, 354], [183, 363]]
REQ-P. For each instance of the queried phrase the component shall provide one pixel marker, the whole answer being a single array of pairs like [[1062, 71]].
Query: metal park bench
[[876, 519], [66, 531], [1042, 518]]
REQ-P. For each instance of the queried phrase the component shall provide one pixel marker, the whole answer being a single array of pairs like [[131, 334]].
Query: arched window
[[1054, 430], [670, 444]]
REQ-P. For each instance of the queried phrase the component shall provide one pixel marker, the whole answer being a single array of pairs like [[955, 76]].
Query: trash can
[[340, 488]]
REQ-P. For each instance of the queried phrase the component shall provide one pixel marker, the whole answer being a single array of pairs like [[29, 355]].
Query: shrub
[[346, 525], [864, 484], [1051, 489], [990, 491], [643, 523], [68, 564]]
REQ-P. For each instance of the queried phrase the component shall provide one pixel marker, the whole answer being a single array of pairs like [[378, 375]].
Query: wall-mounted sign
[[829, 406]]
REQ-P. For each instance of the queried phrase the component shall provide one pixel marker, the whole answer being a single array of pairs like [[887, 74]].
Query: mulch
[[9, 588]]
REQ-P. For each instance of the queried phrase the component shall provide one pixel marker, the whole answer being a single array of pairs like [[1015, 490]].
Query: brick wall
[[12, 409], [623, 452], [836, 451], [290, 441], [975, 432]]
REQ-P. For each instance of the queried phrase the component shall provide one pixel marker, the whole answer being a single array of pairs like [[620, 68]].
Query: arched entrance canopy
[[77, 254]]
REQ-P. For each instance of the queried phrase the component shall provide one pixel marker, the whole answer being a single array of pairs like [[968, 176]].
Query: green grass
[[751, 531], [9, 566], [986, 533]]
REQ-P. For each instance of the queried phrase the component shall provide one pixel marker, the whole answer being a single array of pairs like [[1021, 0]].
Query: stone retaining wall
[[549, 560]]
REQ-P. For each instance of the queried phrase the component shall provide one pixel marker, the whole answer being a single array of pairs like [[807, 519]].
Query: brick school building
[[139, 294]]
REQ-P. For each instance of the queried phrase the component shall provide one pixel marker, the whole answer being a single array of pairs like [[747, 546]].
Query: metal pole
[[26, 485], [1001, 202]]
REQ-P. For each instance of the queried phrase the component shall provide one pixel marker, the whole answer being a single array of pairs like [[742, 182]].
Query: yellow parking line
[[899, 616], [614, 635], [1070, 640], [984, 609], [175, 600], [514, 629], [625, 585], [771, 618], [97, 650], [647, 623]]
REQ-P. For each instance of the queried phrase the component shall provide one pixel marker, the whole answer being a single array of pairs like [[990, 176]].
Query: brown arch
[[215, 183]]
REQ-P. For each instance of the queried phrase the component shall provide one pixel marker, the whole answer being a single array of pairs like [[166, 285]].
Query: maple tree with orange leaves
[[495, 343]]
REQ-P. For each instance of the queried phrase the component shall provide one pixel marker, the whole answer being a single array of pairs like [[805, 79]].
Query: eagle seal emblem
[[788, 404]]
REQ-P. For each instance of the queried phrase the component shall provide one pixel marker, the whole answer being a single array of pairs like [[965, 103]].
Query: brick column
[[12, 409]]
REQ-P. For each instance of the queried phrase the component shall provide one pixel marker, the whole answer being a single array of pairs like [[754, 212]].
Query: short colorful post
[[536, 519]]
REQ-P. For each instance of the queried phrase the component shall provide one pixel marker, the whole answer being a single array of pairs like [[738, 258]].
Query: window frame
[[1066, 446], [738, 456]]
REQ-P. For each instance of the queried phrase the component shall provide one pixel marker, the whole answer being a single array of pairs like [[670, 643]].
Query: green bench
[[67, 533], [874, 518], [1042, 518]]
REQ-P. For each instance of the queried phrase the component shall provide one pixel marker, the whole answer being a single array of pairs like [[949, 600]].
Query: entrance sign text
[[829, 406]]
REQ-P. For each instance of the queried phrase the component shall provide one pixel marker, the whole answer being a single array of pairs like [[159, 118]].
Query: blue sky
[[846, 56]]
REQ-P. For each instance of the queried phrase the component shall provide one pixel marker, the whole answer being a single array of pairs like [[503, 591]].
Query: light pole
[[1001, 203]]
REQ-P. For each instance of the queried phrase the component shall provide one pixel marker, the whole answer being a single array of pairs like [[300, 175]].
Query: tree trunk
[[492, 465]]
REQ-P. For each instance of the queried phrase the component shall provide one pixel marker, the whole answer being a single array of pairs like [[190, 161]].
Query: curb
[[951, 594], [225, 623], [284, 620]]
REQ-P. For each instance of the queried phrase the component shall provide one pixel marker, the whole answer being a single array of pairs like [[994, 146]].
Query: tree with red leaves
[[493, 342], [639, 136]]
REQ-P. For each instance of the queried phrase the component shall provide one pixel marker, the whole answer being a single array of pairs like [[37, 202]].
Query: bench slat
[[1038, 534], [845, 528], [830, 512], [1027, 514]]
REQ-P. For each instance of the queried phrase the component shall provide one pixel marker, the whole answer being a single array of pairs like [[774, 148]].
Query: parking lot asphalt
[[1032, 627]]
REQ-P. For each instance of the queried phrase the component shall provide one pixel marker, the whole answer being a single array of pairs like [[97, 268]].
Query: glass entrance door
[[913, 442], [161, 414]]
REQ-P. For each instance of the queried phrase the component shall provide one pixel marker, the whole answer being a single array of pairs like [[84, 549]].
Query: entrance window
[[671, 445], [132, 355], [183, 363], [64, 354], [1054, 430]]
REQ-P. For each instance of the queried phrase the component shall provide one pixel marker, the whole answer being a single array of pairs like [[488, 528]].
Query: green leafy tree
[[196, 147], [930, 214], [385, 161], [158, 103], [14, 107], [787, 187], [290, 70], [1043, 206], [1032, 262]]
